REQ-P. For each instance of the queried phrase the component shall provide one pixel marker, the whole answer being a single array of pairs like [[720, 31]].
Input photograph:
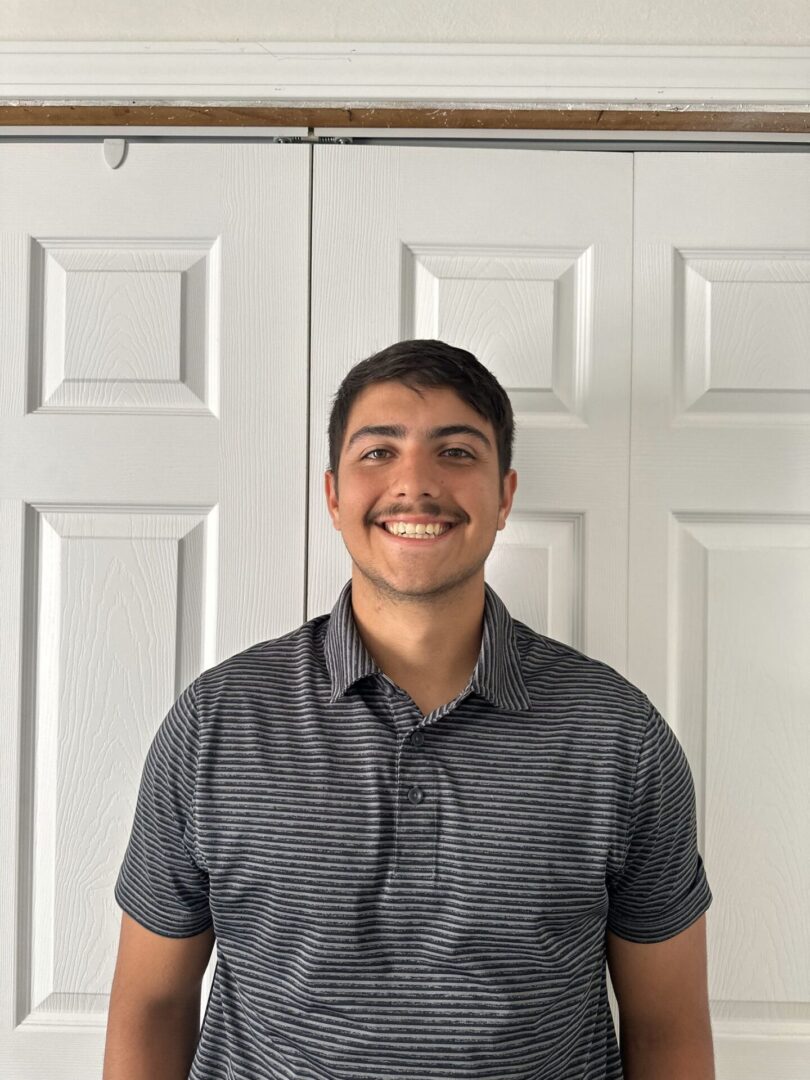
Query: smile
[[425, 539]]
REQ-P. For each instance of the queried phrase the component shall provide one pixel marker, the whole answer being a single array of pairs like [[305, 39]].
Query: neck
[[428, 641]]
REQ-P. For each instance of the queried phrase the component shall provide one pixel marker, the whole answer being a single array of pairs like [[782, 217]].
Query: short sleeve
[[662, 887], [162, 884]]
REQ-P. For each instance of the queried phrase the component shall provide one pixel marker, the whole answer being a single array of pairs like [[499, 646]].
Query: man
[[417, 827]]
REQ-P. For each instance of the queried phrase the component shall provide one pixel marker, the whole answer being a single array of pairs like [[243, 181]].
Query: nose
[[416, 477]]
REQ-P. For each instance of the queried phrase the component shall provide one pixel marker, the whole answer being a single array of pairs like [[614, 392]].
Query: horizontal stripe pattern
[[407, 897]]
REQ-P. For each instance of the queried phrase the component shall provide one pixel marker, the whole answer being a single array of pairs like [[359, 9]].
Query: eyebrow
[[399, 431]]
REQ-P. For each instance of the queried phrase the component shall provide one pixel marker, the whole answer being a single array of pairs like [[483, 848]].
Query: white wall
[[594, 22]]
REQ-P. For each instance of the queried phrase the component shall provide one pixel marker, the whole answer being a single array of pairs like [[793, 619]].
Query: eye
[[382, 450]]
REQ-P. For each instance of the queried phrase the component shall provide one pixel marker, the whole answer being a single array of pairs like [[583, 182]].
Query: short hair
[[427, 362]]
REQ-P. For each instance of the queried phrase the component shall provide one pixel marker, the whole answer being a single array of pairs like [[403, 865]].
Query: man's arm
[[662, 991], [154, 1016]]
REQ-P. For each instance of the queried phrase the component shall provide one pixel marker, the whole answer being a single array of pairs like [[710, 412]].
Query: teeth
[[400, 528]]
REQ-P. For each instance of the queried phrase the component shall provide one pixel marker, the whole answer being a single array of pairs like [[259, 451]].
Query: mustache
[[433, 512]]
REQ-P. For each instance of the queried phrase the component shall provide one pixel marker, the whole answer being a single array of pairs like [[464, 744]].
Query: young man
[[417, 827]]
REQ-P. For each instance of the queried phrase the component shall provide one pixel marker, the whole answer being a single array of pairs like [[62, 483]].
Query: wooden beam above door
[[405, 117]]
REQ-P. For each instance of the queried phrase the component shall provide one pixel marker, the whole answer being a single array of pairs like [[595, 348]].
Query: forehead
[[393, 402]]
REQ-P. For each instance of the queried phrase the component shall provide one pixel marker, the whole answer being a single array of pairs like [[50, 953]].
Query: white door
[[720, 562], [153, 433], [524, 257]]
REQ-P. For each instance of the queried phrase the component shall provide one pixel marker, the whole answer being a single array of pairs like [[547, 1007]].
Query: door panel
[[523, 257], [719, 630], [153, 392]]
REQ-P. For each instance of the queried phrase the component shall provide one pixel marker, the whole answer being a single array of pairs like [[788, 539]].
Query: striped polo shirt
[[407, 897]]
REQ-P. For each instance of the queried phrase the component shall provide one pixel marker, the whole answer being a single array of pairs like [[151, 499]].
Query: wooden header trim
[[448, 116]]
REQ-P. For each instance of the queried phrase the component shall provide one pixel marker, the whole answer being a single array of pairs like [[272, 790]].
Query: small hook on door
[[114, 150]]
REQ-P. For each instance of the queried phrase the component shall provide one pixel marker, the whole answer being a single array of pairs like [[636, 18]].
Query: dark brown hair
[[427, 362]]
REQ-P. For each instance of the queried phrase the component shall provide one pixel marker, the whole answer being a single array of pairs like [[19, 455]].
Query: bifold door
[[540, 263]]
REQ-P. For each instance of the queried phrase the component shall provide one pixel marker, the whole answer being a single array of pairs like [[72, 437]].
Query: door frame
[[327, 90]]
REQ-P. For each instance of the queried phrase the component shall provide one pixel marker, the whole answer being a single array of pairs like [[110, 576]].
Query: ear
[[331, 498], [509, 487]]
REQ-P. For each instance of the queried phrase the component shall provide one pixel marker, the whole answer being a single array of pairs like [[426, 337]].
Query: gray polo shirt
[[399, 897]]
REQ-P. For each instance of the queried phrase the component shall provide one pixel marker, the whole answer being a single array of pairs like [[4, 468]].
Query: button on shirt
[[407, 897]]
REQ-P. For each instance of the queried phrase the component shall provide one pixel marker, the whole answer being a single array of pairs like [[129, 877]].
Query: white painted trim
[[368, 74], [535, 136]]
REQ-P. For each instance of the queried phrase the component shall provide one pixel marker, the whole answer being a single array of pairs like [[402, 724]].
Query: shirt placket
[[416, 793]]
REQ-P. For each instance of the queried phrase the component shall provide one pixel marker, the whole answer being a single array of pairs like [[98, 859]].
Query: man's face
[[383, 476]]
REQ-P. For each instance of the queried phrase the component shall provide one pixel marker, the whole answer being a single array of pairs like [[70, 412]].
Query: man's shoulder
[[296, 646], [546, 661]]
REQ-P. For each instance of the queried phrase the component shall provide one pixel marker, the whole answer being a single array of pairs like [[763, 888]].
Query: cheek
[[358, 509]]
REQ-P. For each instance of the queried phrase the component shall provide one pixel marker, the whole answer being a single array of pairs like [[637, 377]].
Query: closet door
[[719, 627], [153, 390], [524, 257]]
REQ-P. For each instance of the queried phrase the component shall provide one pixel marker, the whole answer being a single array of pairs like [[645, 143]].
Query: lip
[[411, 541]]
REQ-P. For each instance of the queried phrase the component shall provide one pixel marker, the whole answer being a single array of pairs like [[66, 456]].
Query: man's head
[[426, 362], [410, 469]]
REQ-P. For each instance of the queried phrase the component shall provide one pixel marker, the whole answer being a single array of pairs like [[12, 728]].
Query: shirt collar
[[497, 675]]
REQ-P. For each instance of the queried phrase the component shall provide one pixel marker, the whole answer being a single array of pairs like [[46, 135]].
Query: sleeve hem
[[662, 931], [147, 920]]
